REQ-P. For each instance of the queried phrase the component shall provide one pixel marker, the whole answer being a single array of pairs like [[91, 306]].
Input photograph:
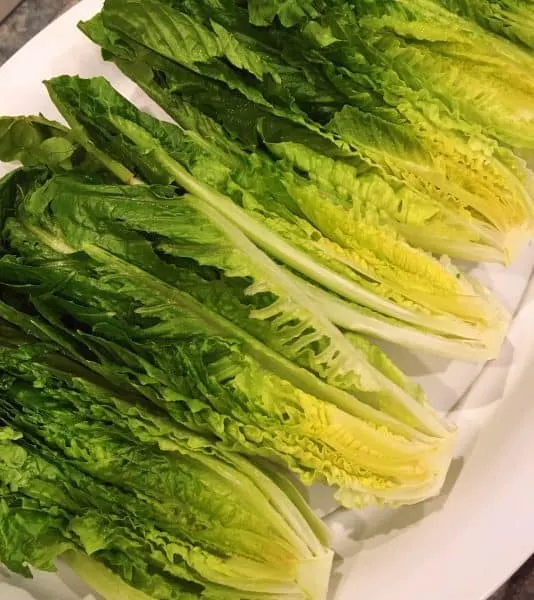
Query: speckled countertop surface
[[26, 21], [521, 586]]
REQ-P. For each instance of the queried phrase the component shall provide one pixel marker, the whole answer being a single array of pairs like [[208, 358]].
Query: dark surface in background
[[25, 22], [521, 586]]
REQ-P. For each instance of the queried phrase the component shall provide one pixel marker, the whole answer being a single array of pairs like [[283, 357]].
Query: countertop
[[25, 22]]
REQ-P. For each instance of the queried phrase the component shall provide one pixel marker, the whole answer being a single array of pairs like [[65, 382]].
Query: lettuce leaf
[[86, 461], [174, 304], [272, 207], [409, 132], [512, 19]]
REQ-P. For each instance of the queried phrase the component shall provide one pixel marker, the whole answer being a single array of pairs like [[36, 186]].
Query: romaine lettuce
[[350, 86], [82, 473], [363, 263], [148, 289]]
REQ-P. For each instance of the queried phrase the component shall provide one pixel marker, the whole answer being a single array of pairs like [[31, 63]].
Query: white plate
[[459, 546]]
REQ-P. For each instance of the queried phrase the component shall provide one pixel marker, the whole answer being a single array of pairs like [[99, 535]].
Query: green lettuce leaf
[[429, 143], [289, 12], [512, 19], [427, 56], [270, 217], [37, 141], [394, 124], [78, 454], [110, 524], [194, 342]]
